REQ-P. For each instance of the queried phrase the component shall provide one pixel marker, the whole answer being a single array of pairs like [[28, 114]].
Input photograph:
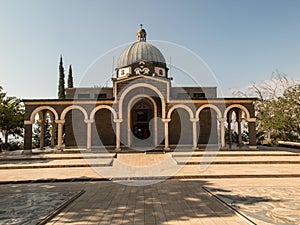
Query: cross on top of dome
[[141, 34]]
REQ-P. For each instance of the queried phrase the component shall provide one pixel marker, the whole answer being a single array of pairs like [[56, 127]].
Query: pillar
[[239, 121], [89, 134], [222, 128], [60, 133], [252, 132], [195, 140], [166, 122], [42, 133], [118, 142], [52, 135], [27, 136], [229, 119]]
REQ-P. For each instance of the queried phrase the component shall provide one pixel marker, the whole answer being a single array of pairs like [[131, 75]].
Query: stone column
[[166, 121], [118, 142], [252, 132], [27, 136], [195, 141], [89, 134], [229, 128], [222, 124], [239, 121], [52, 135], [60, 133], [42, 133]]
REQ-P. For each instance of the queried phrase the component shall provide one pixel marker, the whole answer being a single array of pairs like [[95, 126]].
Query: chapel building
[[141, 110]]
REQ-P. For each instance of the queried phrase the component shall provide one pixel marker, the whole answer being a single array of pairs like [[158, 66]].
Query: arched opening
[[142, 123], [44, 129], [237, 133], [180, 127], [141, 114], [209, 127], [141, 110], [103, 129], [75, 129]]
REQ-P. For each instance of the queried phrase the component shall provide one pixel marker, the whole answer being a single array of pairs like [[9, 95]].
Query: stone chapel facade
[[141, 110]]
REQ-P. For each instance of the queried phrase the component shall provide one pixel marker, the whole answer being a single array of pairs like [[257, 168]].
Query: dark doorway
[[141, 115]]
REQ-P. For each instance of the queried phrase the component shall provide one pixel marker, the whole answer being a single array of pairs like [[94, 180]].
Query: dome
[[140, 51]]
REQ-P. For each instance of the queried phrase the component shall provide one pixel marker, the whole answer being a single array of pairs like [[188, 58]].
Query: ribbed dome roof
[[140, 51]]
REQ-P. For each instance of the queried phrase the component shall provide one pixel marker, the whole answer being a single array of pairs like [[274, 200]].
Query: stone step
[[222, 154], [56, 163]]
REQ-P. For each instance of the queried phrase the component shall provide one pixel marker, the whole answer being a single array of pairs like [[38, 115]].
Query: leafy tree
[[70, 78], [280, 117], [61, 82], [11, 116], [277, 107]]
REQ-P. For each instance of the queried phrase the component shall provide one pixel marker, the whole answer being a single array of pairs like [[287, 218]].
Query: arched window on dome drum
[[161, 72]]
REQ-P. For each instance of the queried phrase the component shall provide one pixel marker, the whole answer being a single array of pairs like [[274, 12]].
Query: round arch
[[99, 107], [188, 109], [215, 108], [237, 106], [134, 86], [38, 109], [129, 119], [66, 110]]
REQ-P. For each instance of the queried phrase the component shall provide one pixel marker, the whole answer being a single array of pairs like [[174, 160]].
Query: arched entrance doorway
[[142, 125]]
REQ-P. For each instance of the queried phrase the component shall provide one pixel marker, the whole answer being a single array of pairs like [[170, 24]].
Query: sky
[[241, 41]]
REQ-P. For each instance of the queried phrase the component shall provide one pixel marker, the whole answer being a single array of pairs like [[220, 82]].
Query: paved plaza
[[182, 187]]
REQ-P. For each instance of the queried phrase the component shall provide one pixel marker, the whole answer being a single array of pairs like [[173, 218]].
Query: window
[[100, 96], [83, 96], [199, 95], [161, 72], [122, 72]]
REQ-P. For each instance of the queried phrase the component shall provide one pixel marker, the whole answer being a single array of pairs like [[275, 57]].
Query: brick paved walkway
[[176, 201]]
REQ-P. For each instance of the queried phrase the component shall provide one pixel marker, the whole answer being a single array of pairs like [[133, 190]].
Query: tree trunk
[[6, 137]]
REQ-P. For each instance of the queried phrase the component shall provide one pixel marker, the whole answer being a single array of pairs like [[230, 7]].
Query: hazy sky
[[241, 41]]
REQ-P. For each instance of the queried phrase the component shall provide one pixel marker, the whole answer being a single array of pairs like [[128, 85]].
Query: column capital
[[118, 120], [60, 121], [28, 122], [251, 120], [89, 121], [222, 119], [194, 120], [166, 120]]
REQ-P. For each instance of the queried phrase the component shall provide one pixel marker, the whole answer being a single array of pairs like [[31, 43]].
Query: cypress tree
[[70, 78], [61, 82]]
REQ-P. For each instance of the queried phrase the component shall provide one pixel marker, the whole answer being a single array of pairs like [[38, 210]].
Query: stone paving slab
[[174, 202], [169, 202], [177, 201]]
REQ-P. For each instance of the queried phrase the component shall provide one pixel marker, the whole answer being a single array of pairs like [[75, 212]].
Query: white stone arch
[[214, 107], [39, 109], [188, 109], [130, 88], [129, 116], [66, 110], [99, 107], [243, 108]]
